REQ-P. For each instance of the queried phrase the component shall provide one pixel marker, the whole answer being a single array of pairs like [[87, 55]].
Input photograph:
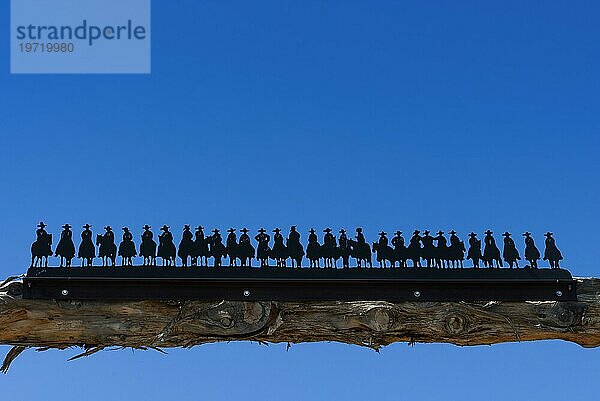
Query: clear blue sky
[[393, 115]]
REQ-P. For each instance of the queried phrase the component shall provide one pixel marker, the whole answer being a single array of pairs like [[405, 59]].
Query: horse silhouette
[[42, 247], [474, 249]]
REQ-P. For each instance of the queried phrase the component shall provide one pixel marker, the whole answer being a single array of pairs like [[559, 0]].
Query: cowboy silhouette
[[87, 250], [294, 247], [108, 249], [279, 252], [186, 245], [313, 249], [263, 251], [217, 249], [245, 248], [384, 251], [65, 248], [474, 249], [329, 248], [428, 251], [456, 250], [344, 249], [414, 250], [200, 247], [148, 247], [231, 246], [360, 249], [491, 253], [166, 247], [551, 253], [510, 252], [532, 254], [441, 250], [42, 247], [127, 248], [399, 249]]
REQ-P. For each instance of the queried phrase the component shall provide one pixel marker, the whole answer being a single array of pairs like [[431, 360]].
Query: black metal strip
[[273, 284]]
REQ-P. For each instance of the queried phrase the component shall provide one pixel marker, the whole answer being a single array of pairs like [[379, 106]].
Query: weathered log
[[95, 325]]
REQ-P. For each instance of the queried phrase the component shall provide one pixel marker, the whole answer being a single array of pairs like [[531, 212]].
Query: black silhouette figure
[[474, 249], [166, 247], [414, 250], [231, 247], [400, 250], [87, 250], [108, 248], [360, 249], [148, 247], [127, 248], [428, 250], [42, 247], [279, 252], [383, 250], [344, 249], [263, 251], [456, 251], [551, 253], [313, 249], [329, 249], [201, 250], [441, 250], [294, 247], [186, 246], [532, 254], [216, 248], [245, 249], [510, 252], [65, 248], [491, 253]]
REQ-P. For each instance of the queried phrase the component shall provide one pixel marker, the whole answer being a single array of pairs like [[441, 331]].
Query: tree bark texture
[[95, 325]]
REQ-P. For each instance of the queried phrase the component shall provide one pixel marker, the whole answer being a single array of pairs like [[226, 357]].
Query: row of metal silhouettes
[[423, 249]]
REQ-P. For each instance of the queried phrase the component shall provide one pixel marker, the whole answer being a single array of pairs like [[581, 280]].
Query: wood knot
[[456, 324], [380, 319]]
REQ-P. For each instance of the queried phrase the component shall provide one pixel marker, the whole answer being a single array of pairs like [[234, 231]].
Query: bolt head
[[246, 293], [64, 292], [559, 293], [417, 294]]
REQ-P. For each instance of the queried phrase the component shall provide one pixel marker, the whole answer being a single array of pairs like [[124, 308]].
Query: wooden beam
[[162, 324]]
